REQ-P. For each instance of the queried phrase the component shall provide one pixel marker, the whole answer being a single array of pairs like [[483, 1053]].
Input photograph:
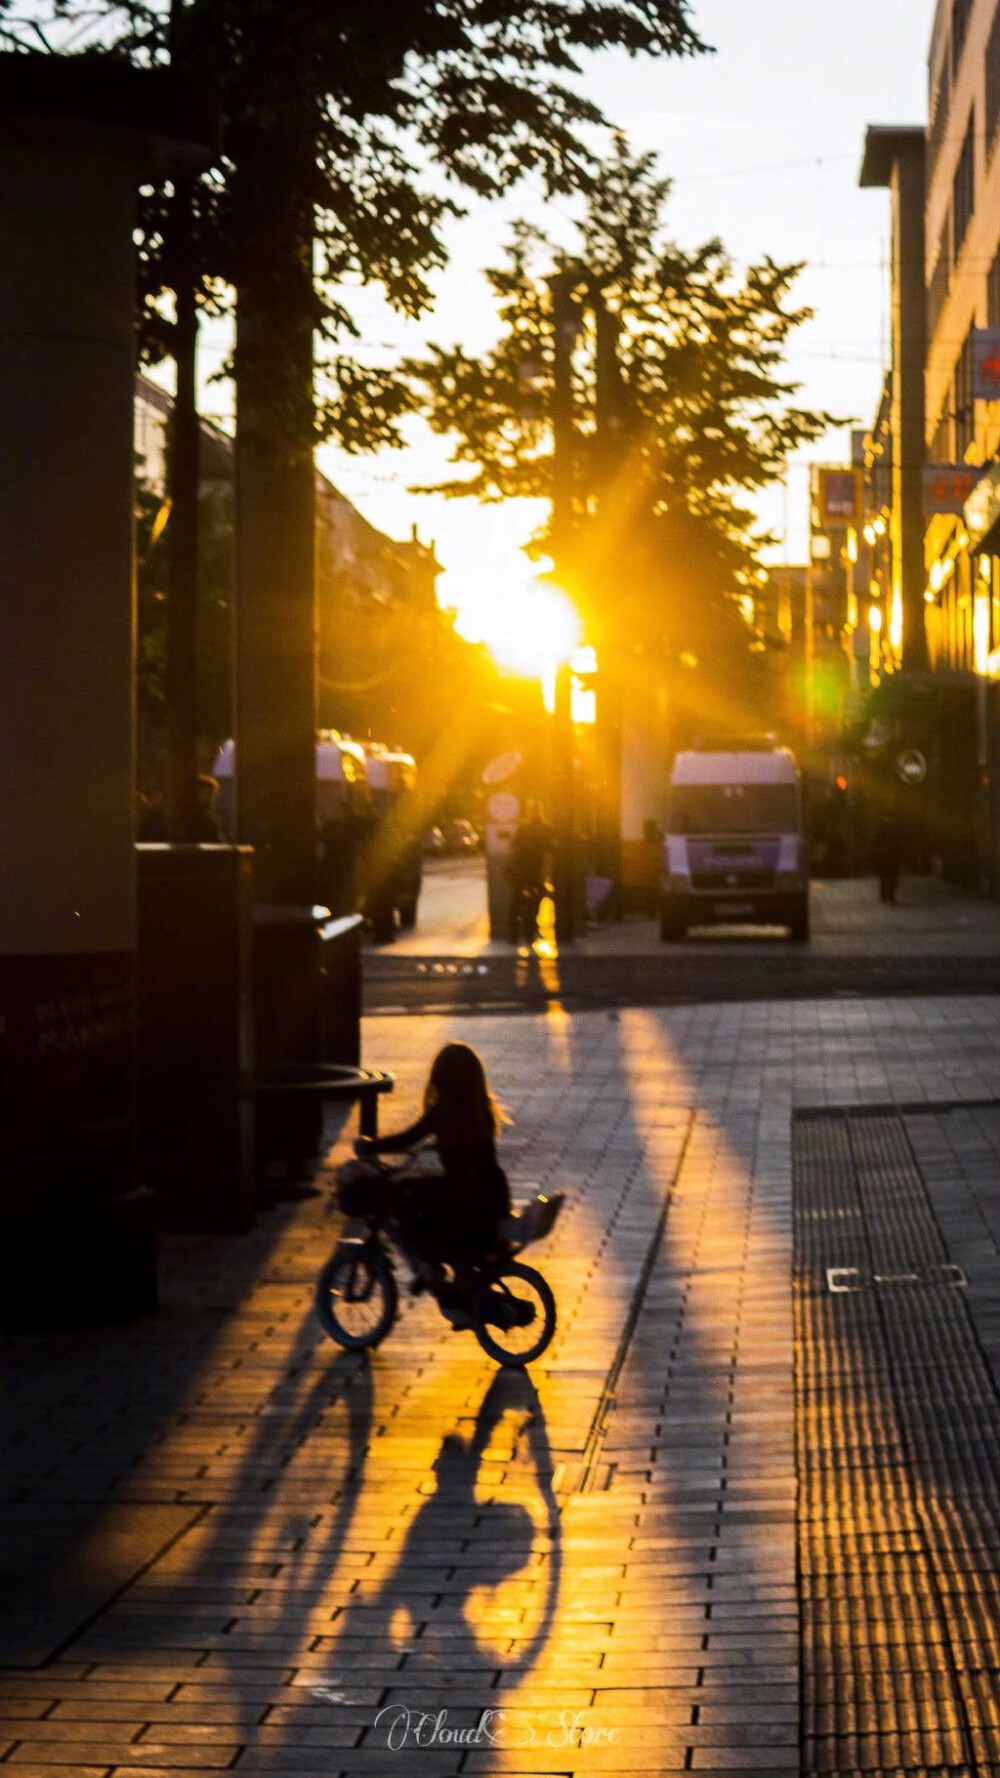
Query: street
[[732, 1521], [937, 939]]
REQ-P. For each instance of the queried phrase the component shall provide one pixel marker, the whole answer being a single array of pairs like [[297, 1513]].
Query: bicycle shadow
[[470, 1602]]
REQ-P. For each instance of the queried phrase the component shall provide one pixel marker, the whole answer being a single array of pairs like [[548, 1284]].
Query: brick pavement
[[602, 1555]]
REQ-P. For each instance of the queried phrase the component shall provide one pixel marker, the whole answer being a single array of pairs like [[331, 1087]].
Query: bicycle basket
[[536, 1220], [357, 1183]]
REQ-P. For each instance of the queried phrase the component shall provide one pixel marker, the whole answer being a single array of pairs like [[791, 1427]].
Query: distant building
[[835, 649], [780, 619], [152, 410], [377, 604]]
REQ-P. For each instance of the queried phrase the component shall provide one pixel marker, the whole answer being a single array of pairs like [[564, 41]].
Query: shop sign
[[947, 486], [840, 494]]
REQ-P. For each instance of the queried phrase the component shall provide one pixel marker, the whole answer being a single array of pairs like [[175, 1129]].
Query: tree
[[372, 105], [681, 412], [327, 111]]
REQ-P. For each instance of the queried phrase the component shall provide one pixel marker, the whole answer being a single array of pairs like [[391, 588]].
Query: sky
[[763, 140]]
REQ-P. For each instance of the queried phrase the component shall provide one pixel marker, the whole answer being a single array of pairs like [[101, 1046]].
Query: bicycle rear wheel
[[356, 1296], [514, 1314]]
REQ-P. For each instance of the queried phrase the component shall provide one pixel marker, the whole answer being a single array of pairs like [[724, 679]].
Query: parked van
[[341, 780], [395, 868], [734, 850], [367, 852], [345, 819]]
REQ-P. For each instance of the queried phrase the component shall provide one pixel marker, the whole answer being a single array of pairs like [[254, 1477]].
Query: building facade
[[942, 714], [378, 616], [962, 209]]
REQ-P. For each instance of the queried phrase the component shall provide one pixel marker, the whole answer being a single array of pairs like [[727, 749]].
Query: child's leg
[[416, 1224]]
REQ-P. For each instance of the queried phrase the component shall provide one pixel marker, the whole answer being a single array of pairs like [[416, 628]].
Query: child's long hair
[[457, 1089]]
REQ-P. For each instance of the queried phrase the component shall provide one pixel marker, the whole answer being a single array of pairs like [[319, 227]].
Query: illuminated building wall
[[963, 282]]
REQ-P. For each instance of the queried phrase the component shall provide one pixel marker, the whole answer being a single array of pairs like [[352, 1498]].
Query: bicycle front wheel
[[514, 1314], [356, 1296]]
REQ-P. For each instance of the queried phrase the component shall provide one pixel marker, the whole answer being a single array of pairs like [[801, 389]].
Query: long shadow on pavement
[[462, 1608]]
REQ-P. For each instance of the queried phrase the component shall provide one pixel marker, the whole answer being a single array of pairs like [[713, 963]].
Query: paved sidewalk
[[238, 1549]]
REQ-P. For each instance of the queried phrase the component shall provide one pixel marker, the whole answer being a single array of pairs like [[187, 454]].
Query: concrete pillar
[[74, 1233], [895, 159]]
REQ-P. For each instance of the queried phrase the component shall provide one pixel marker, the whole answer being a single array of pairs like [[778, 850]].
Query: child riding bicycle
[[450, 1217]]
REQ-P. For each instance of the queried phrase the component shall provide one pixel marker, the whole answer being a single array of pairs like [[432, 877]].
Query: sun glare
[[528, 625]]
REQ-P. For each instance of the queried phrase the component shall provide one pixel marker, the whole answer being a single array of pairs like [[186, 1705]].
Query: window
[[965, 407], [733, 809], [941, 446], [961, 13], [993, 81], [939, 108], [993, 293], [963, 195]]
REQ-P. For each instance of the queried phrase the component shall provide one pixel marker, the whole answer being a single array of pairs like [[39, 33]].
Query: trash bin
[[288, 1030], [340, 989]]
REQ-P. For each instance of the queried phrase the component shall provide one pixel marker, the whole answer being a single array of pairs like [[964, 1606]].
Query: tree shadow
[[262, 1559], [93, 1414], [266, 1516]]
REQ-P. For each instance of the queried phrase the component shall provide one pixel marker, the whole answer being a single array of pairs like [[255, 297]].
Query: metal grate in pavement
[[898, 1453]]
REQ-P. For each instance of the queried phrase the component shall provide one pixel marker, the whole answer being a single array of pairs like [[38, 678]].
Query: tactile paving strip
[[898, 1452]]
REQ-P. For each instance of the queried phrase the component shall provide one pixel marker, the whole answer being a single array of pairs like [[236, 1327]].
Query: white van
[[397, 859], [341, 780], [368, 844], [734, 850]]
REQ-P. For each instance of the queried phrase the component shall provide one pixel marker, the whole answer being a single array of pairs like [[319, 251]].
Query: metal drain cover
[[897, 1427], [841, 1280]]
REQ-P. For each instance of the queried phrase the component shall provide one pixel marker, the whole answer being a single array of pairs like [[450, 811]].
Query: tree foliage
[[402, 106], [698, 416]]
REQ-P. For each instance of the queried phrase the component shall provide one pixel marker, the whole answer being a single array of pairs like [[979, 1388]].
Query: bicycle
[[507, 1305]]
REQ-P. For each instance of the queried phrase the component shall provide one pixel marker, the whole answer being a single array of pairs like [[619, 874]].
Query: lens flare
[[528, 625]]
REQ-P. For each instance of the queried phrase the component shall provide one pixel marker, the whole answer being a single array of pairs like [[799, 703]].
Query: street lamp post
[[610, 441], [564, 863], [565, 327], [184, 480]]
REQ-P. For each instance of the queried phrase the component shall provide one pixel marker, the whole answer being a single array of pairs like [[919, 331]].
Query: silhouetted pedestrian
[[208, 828], [527, 872], [888, 854], [151, 820]]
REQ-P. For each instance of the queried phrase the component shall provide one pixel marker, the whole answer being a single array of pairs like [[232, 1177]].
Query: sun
[[528, 624]]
